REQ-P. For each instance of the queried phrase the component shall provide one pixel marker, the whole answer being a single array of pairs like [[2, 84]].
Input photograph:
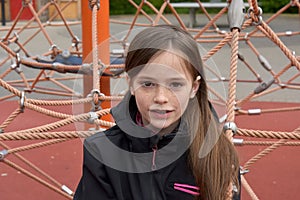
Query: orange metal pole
[[103, 47]]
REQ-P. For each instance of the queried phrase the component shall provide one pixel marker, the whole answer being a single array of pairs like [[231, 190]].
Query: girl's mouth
[[162, 114]]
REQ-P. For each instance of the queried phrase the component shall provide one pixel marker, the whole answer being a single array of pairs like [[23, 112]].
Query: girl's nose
[[161, 95]]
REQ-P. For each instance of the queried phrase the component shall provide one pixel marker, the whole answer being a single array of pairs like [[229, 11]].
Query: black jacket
[[128, 162]]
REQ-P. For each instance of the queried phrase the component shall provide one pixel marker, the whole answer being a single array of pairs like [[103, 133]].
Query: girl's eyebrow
[[171, 78]]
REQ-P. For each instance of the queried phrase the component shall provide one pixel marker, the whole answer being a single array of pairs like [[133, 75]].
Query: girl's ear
[[131, 91], [129, 84], [195, 87]]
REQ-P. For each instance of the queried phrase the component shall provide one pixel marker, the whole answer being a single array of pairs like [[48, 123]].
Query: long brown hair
[[212, 157]]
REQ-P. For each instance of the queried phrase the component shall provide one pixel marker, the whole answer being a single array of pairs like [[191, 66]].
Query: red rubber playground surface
[[275, 176]]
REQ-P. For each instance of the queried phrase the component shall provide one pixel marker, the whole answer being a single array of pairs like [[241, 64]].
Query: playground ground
[[275, 176]]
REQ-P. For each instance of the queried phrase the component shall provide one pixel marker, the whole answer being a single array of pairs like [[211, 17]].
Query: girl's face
[[162, 90]]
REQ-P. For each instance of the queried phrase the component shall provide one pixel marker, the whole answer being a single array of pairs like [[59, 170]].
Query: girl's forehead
[[166, 65]]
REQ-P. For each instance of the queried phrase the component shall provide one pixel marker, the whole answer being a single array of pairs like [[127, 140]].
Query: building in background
[[12, 8]]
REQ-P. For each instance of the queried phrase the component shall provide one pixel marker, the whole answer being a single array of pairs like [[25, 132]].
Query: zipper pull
[[154, 149]]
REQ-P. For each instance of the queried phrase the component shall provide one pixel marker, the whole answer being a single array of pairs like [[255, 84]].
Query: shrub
[[118, 7]]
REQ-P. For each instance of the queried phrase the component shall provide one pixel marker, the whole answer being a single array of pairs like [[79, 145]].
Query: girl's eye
[[176, 85], [148, 84]]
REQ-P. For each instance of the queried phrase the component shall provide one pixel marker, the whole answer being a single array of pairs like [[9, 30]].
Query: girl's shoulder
[[111, 133]]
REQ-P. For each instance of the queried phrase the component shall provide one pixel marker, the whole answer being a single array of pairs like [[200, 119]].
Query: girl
[[166, 144]]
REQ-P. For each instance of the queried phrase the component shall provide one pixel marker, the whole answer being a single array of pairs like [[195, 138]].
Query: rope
[[248, 188], [233, 76], [217, 48], [268, 143], [96, 79], [209, 24], [44, 135], [280, 44], [269, 134], [10, 88], [33, 146], [264, 153], [41, 181], [58, 124], [10, 118], [33, 166]]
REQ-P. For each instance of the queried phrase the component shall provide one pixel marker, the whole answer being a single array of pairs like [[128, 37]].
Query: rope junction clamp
[[55, 50], [22, 101], [3, 154], [15, 65], [93, 3], [75, 41], [96, 105], [244, 171], [254, 111], [65, 53], [16, 36], [238, 141], [67, 190], [264, 62], [236, 13], [57, 66], [263, 86], [102, 67], [223, 118], [86, 68], [230, 126], [93, 117]]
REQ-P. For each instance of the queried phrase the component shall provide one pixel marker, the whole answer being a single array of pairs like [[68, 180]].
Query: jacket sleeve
[[94, 183]]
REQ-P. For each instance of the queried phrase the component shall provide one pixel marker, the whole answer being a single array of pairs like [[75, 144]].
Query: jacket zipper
[[154, 150]]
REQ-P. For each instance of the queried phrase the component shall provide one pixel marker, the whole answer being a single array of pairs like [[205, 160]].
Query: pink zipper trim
[[185, 188], [154, 149]]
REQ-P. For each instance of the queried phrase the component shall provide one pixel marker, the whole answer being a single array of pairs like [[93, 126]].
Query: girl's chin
[[161, 127]]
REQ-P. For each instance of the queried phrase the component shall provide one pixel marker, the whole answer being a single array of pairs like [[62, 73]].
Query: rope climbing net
[[58, 67]]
